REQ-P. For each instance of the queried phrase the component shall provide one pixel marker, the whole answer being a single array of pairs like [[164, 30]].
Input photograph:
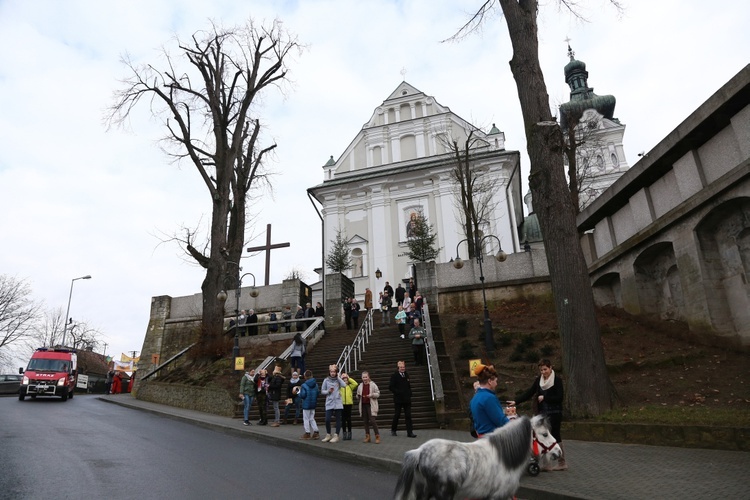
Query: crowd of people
[[300, 320], [402, 305], [341, 391]]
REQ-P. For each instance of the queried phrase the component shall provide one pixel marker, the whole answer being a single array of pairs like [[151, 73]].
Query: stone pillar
[[338, 287], [291, 294], [152, 343], [427, 283]]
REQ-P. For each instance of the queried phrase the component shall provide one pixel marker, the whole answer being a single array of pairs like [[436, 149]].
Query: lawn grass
[[691, 415]]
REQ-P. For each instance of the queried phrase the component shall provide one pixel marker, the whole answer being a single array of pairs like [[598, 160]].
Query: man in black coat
[[400, 295], [400, 386], [388, 288], [251, 321]]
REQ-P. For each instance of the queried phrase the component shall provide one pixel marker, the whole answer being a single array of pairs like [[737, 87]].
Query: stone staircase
[[383, 351]]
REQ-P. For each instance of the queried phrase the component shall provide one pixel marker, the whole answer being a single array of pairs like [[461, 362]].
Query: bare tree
[[206, 97], [475, 187], [18, 316], [50, 331], [581, 141], [589, 389]]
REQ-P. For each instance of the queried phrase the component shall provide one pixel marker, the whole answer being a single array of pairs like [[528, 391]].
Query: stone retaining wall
[[682, 436], [205, 399]]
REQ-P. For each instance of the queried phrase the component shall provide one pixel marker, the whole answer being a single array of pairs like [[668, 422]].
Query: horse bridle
[[537, 445]]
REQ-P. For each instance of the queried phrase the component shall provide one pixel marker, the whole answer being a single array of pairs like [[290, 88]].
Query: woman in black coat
[[549, 393]]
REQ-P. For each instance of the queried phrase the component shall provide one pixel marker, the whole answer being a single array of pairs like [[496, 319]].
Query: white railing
[[285, 355], [436, 385], [352, 354]]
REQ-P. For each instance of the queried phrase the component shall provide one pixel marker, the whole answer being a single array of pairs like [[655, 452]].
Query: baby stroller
[[533, 468]]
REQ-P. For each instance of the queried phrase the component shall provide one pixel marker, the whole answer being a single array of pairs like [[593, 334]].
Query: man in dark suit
[[388, 288], [400, 295], [400, 386], [251, 320]]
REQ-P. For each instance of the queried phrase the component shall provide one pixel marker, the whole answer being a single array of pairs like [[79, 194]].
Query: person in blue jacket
[[486, 410], [308, 393]]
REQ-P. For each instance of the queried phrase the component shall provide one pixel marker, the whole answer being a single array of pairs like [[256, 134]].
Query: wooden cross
[[268, 247]]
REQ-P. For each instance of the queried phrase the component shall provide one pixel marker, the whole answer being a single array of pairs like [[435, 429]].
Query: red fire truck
[[51, 372]]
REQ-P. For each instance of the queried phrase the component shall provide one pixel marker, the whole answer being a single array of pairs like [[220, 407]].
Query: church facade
[[399, 164]]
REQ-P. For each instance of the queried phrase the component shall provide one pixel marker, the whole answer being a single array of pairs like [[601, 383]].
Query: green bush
[[527, 340], [466, 351], [506, 339], [519, 349], [462, 327], [515, 356], [547, 350], [531, 357]]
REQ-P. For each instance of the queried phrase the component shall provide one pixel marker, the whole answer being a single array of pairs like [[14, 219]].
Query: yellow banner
[[127, 359]]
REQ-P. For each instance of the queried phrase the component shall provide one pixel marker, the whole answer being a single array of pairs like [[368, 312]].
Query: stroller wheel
[[533, 469]]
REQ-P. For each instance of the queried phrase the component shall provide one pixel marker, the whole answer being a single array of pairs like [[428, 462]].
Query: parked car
[[9, 384]]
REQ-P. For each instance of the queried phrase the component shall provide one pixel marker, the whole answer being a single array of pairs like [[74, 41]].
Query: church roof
[[404, 90], [582, 97]]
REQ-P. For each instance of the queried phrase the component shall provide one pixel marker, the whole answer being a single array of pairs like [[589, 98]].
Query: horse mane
[[512, 442]]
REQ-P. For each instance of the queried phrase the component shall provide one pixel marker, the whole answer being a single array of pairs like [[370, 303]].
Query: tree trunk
[[571, 151], [589, 390]]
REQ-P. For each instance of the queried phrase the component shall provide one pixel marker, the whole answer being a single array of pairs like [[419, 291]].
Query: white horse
[[489, 468]]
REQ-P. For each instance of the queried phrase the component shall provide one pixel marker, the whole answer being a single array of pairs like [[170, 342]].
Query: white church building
[[399, 164]]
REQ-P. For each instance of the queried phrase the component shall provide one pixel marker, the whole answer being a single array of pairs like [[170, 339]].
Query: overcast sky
[[77, 199]]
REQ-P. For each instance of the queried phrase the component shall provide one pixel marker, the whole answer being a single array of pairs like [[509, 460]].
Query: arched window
[[600, 162]]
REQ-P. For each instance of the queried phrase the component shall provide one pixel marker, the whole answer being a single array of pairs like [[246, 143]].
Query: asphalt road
[[85, 448]]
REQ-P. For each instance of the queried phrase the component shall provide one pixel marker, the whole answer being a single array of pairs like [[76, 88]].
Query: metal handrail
[[169, 361], [285, 355], [436, 385], [353, 352]]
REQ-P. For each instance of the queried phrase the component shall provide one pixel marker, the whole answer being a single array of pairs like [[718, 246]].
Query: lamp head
[[501, 256], [378, 274], [458, 263], [254, 292], [222, 296]]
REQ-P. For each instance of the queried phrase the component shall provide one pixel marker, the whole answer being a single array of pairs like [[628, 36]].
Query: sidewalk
[[597, 470]]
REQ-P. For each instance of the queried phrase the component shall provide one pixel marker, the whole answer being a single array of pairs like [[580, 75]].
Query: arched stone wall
[[658, 280], [607, 290], [724, 244]]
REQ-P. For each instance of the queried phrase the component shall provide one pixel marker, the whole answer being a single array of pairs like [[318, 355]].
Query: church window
[[615, 162], [405, 112], [418, 110], [408, 147], [600, 162], [377, 156]]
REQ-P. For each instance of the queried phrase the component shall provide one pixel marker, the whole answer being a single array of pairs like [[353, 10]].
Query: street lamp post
[[489, 341], [222, 296], [70, 296]]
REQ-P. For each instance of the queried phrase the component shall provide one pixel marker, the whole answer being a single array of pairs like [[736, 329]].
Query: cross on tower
[[268, 247]]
